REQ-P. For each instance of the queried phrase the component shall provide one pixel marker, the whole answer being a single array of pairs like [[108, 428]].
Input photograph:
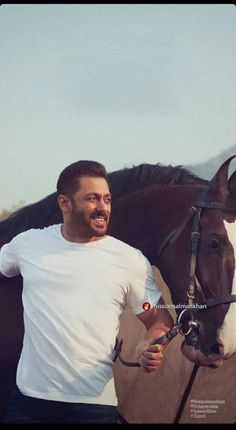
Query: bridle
[[186, 322], [195, 211]]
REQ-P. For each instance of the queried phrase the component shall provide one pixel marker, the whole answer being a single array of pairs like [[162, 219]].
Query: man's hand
[[149, 356], [157, 321]]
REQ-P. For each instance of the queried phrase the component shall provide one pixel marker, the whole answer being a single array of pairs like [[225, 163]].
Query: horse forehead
[[231, 231]]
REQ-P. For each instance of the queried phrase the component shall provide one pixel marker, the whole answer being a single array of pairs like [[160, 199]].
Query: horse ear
[[232, 185], [219, 183]]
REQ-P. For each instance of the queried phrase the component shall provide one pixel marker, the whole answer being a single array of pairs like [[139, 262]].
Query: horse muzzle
[[192, 352]]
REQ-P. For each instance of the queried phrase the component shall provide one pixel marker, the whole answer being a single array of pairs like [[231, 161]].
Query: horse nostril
[[216, 348]]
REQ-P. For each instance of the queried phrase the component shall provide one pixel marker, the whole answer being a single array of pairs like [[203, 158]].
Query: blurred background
[[120, 84]]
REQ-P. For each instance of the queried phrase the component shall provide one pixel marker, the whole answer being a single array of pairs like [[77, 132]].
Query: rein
[[185, 325]]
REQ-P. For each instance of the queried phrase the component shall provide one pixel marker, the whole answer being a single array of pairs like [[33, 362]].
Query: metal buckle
[[179, 322]]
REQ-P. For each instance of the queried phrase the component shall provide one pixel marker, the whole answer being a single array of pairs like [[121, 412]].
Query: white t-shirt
[[73, 297]]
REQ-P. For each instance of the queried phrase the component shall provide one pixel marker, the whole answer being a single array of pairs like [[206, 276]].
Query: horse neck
[[144, 218]]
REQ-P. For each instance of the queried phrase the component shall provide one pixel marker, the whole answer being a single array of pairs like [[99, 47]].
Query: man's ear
[[64, 203]]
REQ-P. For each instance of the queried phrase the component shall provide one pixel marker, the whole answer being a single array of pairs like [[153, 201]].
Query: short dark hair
[[67, 183]]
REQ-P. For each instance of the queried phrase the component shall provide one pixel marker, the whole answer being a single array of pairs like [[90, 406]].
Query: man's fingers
[[150, 356], [155, 348], [151, 360]]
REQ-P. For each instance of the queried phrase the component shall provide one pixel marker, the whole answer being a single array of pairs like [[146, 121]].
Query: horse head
[[214, 338]]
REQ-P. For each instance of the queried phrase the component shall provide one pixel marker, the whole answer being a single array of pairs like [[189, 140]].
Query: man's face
[[91, 207]]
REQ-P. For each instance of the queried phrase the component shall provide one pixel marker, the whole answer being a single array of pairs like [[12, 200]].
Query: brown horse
[[185, 227], [189, 233]]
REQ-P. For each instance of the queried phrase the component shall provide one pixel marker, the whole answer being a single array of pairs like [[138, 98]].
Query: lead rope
[[195, 236], [162, 340]]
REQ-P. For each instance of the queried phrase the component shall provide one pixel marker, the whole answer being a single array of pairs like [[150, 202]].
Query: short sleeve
[[143, 291], [9, 260]]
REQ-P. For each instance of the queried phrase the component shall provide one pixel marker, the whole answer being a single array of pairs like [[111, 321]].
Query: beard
[[90, 224]]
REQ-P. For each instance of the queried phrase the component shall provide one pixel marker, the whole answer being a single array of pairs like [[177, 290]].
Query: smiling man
[[77, 281], [86, 212]]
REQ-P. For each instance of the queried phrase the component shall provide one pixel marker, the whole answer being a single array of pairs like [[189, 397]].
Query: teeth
[[99, 219]]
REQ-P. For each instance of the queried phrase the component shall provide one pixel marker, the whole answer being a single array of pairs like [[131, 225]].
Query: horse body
[[46, 211], [11, 322]]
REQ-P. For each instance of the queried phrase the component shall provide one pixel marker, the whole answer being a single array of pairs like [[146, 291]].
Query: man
[[77, 280]]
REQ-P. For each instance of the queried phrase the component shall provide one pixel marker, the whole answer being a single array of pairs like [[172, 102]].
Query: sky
[[122, 84]]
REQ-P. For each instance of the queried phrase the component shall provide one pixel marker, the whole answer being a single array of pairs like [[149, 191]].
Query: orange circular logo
[[146, 306]]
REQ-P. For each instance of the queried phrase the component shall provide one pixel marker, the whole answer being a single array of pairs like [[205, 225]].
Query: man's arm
[[157, 322]]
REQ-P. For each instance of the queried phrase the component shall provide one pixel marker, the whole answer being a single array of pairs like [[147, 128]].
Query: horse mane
[[46, 211], [131, 179]]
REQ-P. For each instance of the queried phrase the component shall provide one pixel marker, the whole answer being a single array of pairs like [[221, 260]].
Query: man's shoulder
[[124, 248], [36, 232]]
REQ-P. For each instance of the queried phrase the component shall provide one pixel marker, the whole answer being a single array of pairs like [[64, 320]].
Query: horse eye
[[214, 243]]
